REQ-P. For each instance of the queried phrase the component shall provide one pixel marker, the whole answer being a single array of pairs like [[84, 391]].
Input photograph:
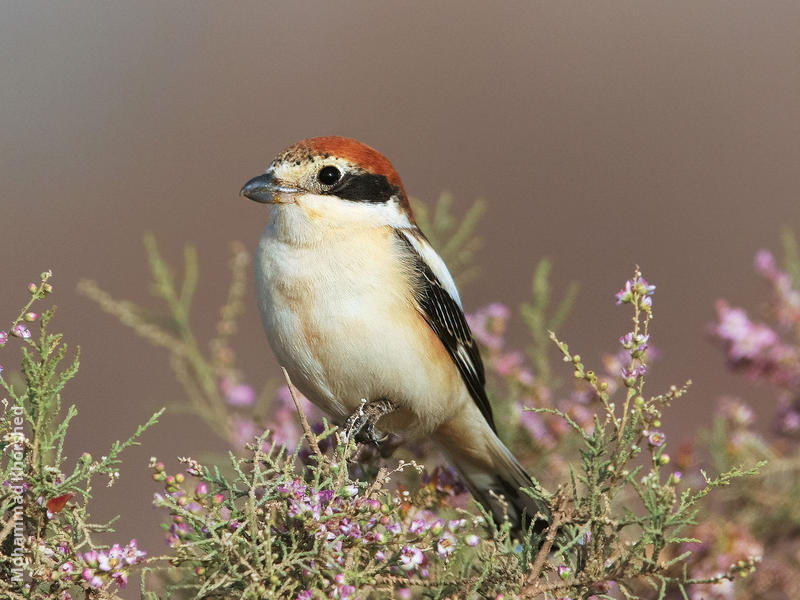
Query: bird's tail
[[493, 475]]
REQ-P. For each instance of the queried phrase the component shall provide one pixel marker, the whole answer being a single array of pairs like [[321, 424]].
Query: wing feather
[[438, 303]]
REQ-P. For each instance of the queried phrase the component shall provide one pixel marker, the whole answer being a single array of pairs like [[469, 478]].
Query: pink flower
[[244, 430], [90, 558], [765, 263], [132, 554], [456, 524], [121, 577], [639, 286], [446, 545], [417, 527], [508, 363], [93, 580], [106, 561], [488, 325], [625, 295], [746, 339], [21, 331], [237, 394], [410, 557], [656, 439]]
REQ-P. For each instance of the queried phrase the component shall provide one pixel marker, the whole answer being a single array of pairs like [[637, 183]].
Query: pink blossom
[[121, 577], [746, 339], [243, 430], [446, 544], [656, 439], [507, 363], [410, 557], [132, 554], [21, 331], [237, 394], [765, 263], [488, 324], [417, 527]]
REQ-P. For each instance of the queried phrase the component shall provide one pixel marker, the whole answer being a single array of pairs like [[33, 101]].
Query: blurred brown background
[[602, 134]]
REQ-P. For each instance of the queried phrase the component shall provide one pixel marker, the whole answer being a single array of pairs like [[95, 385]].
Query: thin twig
[[312, 439], [544, 551]]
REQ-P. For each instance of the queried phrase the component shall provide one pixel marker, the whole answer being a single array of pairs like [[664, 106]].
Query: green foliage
[[624, 513], [454, 238], [291, 525], [44, 505], [198, 370], [536, 314], [620, 520], [791, 256], [335, 520]]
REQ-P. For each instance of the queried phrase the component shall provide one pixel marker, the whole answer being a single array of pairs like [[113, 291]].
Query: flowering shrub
[[299, 512], [763, 517], [47, 537]]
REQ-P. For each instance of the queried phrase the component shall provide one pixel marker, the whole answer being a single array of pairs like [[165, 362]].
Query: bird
[[364, 315]]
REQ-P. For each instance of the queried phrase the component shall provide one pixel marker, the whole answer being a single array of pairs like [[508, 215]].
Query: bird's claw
[[361, 425]]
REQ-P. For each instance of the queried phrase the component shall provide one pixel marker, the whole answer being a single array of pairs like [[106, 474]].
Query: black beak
[[261, 188]]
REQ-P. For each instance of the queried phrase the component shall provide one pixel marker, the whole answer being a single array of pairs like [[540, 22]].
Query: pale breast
[[338, 316]]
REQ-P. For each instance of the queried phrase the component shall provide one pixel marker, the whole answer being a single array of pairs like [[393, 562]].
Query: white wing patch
[[436, 264]]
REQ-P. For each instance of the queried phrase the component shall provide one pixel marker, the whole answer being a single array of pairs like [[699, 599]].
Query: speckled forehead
[[297, 154], [348, 150]]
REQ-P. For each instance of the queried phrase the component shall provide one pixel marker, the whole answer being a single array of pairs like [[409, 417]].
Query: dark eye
[[328, 175]]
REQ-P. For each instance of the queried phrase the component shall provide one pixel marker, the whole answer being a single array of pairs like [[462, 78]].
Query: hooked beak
[[264, 188]]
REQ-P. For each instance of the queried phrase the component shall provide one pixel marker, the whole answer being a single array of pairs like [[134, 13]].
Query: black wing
[[446, 318]]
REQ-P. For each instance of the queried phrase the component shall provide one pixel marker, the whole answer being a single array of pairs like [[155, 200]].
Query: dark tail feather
[[495, 477]]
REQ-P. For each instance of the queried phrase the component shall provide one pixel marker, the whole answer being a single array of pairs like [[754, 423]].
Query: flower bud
[[437, 528]]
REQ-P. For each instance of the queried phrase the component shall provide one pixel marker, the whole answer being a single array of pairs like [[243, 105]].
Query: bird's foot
[[361, 425]]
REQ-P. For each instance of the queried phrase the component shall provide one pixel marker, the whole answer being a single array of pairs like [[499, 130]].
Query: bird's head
[[334, 178]]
